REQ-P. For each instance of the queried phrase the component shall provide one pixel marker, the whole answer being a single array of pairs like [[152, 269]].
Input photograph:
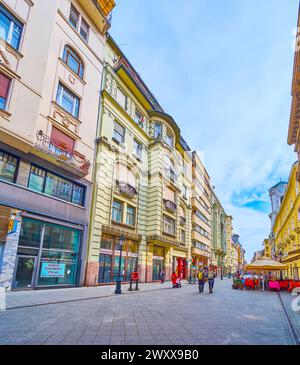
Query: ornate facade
[[143, 183]]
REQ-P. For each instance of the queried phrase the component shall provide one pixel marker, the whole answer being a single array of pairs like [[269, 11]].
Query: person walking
[[211, 281], [162, 276], [201, 280]]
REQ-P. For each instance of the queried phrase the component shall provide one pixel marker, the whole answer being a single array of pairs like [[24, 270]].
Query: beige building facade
[[201, 215], [51, 65], [143, 184]]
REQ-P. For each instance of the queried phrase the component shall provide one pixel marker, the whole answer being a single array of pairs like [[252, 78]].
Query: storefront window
[[57, 263], [107, 242], [109, 262], [61, 238], [30, 235], [58, 268]]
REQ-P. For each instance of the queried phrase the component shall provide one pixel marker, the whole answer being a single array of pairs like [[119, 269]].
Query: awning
[[266, 264]]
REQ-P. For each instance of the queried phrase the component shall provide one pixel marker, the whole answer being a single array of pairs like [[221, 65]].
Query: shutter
[[5, 214], [4, 86], [121, 173], [182, 212], [131, 179], [60, 137], [169, 194]]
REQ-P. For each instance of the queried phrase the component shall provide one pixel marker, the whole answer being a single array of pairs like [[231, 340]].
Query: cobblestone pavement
[[175, 316]]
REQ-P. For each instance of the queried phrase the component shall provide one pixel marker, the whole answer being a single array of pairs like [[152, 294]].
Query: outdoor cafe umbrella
[[265, 264]]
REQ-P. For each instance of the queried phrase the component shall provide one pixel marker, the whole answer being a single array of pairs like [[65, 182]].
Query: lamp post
[[280, 255], [119, 279]]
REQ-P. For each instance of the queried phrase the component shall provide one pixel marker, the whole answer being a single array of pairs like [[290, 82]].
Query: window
[[48, 183], [4, 89], [125, 176], [84, 30], [117, 211], [157, 130], [8, 167], [182, 236], [169, 225], [67, 100], [119, 132], [169, 139], [137, 149], [74, 17], [184, 191], [139, 118], [72, 59], [10, 28], [130, 216], [121, 98]]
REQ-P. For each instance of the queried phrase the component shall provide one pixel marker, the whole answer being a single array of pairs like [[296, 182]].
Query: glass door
[[157, 266], [116, 268], [105, 268], [24, 276]]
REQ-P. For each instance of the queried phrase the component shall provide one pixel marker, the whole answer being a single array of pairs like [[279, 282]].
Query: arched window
[[72, 59]]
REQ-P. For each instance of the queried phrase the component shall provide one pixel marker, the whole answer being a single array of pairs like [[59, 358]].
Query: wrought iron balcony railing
[[127, 190], [170, 206], [58, 150]]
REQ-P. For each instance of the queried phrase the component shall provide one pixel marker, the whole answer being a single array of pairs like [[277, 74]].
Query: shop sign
[[52, 270]]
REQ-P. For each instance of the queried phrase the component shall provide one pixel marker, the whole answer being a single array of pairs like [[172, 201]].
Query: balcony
[[170, 206], [182, 221], [99, 11], [56, 151], [127, 190]]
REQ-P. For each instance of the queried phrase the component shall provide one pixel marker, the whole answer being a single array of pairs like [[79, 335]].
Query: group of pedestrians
[[204, 276]]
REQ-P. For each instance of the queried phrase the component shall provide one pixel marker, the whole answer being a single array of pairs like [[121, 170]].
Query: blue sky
[[222, 69]]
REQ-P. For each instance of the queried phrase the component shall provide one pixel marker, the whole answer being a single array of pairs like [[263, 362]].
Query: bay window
[[169, 225]]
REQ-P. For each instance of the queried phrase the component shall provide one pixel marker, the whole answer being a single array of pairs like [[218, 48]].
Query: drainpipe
[[98, 129]]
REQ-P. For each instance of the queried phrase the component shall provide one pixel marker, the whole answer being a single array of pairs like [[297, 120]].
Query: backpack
[[210, 276], [200, 275]]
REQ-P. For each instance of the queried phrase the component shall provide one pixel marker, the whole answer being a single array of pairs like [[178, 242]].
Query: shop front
[[48, 255], [109, 259], [180, 265], [158, 262]]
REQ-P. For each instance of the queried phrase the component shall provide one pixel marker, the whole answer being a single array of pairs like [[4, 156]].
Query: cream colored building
[[201, 214], [229, 245], [143, 183], [219, 249], [51, 65]]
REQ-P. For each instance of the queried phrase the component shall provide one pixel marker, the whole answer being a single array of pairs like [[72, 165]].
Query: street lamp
[[119, 279], [280, 255]]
